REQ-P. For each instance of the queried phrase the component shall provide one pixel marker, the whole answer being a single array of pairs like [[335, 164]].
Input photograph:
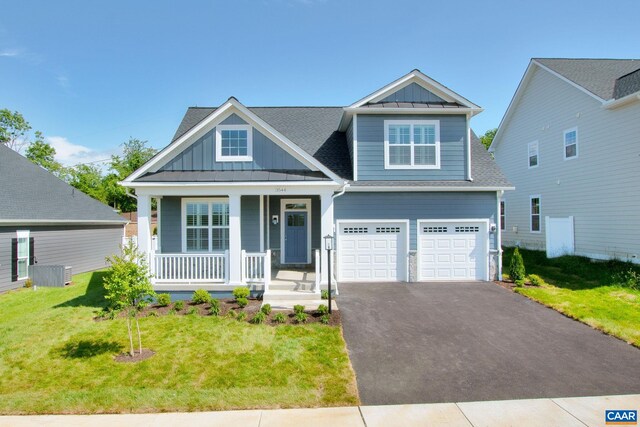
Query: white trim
[[283, 211], [22, 234], [246, 184], [217, 116], [499, 198], [537, 154], [468, 147], [380, 188], [261, 223], [412, 145], [61, 221], [616, 103], [482, 221], [407, 227], [564, 143], [414, 110], [183, 222], [268, 220], [158, 223], [355, 147], [531, 230], [220, 157]]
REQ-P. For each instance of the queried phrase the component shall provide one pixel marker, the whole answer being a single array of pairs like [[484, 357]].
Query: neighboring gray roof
[[30, 193], [413, 105], [626, 85], [232, 176], [598, 76], [484, 171], [314, 129]]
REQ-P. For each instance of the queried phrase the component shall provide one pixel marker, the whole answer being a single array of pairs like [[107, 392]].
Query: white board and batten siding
[[453, 250], [373, 251], [599, 187]]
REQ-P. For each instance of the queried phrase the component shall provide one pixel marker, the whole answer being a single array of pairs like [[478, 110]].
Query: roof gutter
[[380, 188], [60, 221], [616, 103]]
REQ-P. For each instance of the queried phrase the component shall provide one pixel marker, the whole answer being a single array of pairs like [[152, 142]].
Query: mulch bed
[[511, 286], [137, 357], [229, 304]]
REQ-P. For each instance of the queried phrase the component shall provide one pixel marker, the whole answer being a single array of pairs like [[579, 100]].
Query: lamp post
[[328, 245]]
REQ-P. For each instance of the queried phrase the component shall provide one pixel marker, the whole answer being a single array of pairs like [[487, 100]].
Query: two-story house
[[570, 143], [397, 178]]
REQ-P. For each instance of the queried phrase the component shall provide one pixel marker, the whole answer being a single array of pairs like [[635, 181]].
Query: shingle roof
[[30, 193], [598, 76], [232, 176], [413, 105], [626, 85]]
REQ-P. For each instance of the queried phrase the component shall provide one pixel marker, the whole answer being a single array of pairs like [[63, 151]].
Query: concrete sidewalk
[[576, 411]]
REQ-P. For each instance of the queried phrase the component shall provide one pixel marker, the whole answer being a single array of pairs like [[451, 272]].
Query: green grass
[[54, 358], [587, 291]]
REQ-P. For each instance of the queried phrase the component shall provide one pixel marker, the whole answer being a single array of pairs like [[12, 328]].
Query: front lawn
[[55, 358], [585, 290]]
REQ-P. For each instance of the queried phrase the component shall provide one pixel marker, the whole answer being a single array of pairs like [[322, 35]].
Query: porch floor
[[292, 280]]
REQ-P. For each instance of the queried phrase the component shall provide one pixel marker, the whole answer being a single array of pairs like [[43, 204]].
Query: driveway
[[455, 342]]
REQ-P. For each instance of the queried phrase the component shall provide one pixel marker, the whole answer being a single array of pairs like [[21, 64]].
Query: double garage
[[379, 250]]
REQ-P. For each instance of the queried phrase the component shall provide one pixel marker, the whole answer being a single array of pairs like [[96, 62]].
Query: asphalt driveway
[[454, 342]]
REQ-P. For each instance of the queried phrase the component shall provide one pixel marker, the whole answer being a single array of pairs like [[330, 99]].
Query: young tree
[[13, 129], [43, 154], [487, 138], [129, 289]]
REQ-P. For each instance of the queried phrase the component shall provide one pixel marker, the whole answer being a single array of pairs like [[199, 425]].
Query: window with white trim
[[23, 254], [503, 217], [535, 214], [206, 226], [533, 154], [412, 144], [570, 143], [234, 143]]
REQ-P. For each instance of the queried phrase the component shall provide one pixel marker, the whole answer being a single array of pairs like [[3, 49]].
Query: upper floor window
[[533, 154], [234, 143], [535, 214], [412, 144], [570, 143]]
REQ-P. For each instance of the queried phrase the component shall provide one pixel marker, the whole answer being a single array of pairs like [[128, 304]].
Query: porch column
[[326, 228], [144, 226], [235, 261]]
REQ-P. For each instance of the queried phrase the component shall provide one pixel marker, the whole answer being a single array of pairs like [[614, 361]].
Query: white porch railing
[[256, 267], [191, 268]]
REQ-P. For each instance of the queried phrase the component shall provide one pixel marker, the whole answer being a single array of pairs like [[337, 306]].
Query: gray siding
[[599, 188], [200, 156], [370, 137], [84, 248], [274, 230], [413, 93], [250, 223], [170, 225], [414, 206]]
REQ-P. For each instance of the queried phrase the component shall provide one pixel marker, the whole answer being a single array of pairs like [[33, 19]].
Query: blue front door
[[295, 237]]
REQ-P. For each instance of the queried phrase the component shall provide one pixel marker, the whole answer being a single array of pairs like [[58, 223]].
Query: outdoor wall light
[[274, 219]]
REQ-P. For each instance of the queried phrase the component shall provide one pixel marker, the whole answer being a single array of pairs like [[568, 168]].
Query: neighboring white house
[[570, 143]]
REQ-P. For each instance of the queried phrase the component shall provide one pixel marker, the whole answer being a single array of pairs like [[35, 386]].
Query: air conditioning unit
[[50, 275]]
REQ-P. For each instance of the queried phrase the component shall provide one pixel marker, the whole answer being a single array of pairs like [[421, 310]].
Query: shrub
[[279, 318], [178, 305], [298, 308], [173, 311], [629, 279], [519, 283], [215, 307], [301, 317], [259, 318], [325, 319], [242, 302], [241, 292], [28, 283], [152, 314], [242, 316], [516, 267], [266, 309], [324, 294], [192, 310], [201, 296], [323, 309], [163, 300], [232, 314], [536, 280]]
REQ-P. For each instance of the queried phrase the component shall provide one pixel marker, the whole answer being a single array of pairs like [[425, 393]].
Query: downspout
[[333, 198], [499, 195], [469, 177]]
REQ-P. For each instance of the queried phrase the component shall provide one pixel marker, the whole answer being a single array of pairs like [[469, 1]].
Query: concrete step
[[290, 286], [275, 294], [309, 305]]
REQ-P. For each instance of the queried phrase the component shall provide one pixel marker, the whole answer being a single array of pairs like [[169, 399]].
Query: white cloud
[[70, 154], [9, 52]]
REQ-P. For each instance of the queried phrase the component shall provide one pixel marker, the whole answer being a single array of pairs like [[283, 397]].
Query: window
[[23, 254], [206, 226], [570, 143], [234, 143], [412, 144], [503, 224], [533, 154], [535, 214]]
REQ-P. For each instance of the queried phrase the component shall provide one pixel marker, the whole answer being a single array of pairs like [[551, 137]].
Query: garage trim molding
[[483, 221], [406, 224]]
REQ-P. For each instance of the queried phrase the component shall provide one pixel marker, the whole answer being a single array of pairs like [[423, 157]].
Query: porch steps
[[286, 299]]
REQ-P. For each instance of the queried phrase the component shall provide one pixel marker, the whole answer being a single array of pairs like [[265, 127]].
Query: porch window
[[412, 144], [234, 143], [207, 226]]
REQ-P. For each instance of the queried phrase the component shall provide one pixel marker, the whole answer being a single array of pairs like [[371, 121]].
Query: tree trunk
[[139, 336], [130, 334]]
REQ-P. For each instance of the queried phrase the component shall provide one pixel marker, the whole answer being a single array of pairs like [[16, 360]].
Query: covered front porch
[[268, 238]]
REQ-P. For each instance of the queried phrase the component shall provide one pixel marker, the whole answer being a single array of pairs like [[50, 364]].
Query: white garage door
[[372, 251], [452, 251]]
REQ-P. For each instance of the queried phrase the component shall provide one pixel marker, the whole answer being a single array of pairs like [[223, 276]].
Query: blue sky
[[91, 74]]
